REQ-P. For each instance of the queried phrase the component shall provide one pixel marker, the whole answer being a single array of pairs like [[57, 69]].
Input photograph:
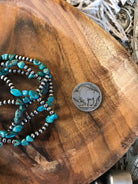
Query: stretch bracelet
[[11, 63]]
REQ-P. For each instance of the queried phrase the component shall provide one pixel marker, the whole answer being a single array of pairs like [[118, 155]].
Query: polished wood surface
[[79, 146]]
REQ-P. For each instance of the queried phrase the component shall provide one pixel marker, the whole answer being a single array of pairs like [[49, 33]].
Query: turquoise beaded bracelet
[[11, 63]]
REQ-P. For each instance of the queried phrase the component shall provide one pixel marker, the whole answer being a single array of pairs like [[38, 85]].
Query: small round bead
[[5, 78], [31, 60], [32, 73], [9, 141], [26, 73], [16, 57], [35, 112], [10, 127], [4, 140], [46, 124], [13, 124], [39, 99], [42, 102], [9, 101], [49, 109], [2, 77], [50, 83], [13, 141], [7, 81], [36, 75], [29, 69], [27, 59], [2, 63], [39, 78], [10, 70], [50, 91], [41, 131], [4, 102], [46, 105], [41, 87], [37, 133], [25, 67], [14, 71], [22, 72], [51, 94], [43, 128], [25, 120], [18, 71], [33, 135], [13, 102], [19, 57], [22, 123], [31, 114], [23, 58], [51, 112], [50, 87]]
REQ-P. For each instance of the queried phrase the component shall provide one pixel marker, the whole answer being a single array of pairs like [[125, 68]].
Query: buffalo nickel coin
[[87, 97]]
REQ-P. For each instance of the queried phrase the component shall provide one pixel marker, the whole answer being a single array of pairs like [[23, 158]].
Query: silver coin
[[87, 97]]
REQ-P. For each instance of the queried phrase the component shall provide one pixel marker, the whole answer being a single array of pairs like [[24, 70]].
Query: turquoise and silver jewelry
[[11, 63]]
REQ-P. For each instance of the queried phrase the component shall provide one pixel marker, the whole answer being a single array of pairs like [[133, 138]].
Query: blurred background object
[[120, 19]]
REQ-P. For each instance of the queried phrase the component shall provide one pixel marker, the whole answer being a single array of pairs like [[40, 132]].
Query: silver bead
[[28, 117], [43, 83], [27, 59], [12, 101], [50, 91], [14, 71], [9, 141], [39, 78], [5, 78], [16, 57], [25, 120], [29, 69], [50, 83], [13, 124], [51, 94], [42, 102], [1, 103], [33, 135], [31, 60], [43, 128], [9, 101], [46, 124], [22, 72], [10, 127], [23, 58], [51, 112], [39, 99], [41, 87], [32, 73], [41, 131], [31, 114], [2, 63], [19, 57], [36, 75], [12, 87], [10, 70], [35, 112], [18, 71], [37, 133], [4, 102], [45, 80], [49, 109], [25, 67], [4, 140], [2, 77], [22, 123], [50, 87], [13, 141], [27, 73], [46, 105], [7, 81], [47, 76]]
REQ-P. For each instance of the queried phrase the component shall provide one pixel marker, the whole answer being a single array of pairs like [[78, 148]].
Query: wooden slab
[[79, 146]]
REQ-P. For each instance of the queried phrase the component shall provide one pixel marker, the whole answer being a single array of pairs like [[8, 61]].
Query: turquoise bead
[[26, 99], [33, 95], [3, 133], [29, 138], [16, 92], [1, 144], [12, 63], [21, 64], [24, 142], [49, 119], [11, 56], [49, 103], [16, 120], [17, 128], [18, 113], [36, 62], [17, 143], [51, 99], [22, 108], [25, 92], [1, 73], [42, 66], [30, 76], [6, 70], [19, 102], [46, 71], [40, 108], [5, 56], [54, 116], [10, 135], [41, 74]]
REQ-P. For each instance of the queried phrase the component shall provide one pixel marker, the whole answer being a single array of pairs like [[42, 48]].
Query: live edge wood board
[[79, 146]]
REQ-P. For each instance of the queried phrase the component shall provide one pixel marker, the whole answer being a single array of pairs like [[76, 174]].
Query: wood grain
[[79, 146]]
